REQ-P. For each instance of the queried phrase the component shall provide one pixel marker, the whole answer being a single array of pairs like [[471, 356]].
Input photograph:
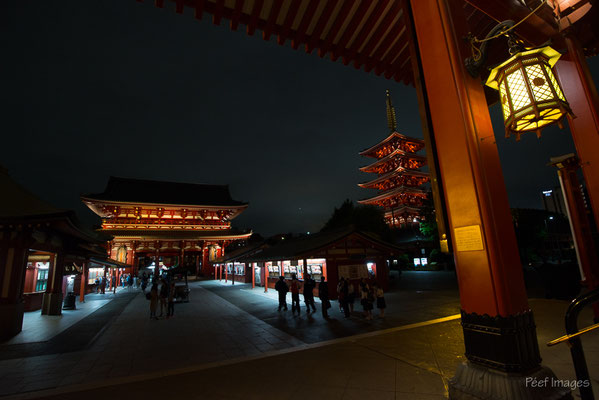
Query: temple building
[[399, 180], [166, 224]]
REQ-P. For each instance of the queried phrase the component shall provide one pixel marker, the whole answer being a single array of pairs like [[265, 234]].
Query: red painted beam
[[322, 22], [179, 4], [382, 48], [328, 41], [199, 8], [350, 29], [236, 14], [375, 39], [272, 19], [289, 18], [159, 3], [536, 29], [300, 34], [253, 23], [365, 31], [218, 12]]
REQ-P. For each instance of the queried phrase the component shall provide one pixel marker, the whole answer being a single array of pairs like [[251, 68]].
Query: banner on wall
[[357, 271]]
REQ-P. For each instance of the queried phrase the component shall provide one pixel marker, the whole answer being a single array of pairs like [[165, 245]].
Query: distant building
[[553, 201], [160, 225], [399, 179]]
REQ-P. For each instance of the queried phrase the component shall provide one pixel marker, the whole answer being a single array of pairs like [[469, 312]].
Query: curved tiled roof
[[160, 192]]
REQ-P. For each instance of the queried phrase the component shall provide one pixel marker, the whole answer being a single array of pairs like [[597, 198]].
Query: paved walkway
[[215, 348]]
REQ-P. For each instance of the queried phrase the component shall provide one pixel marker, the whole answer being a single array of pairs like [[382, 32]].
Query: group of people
[[346, 293], [162, 291], [102, 282]]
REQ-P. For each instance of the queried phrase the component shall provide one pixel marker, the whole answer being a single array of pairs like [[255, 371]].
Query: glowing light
[[530, 95]]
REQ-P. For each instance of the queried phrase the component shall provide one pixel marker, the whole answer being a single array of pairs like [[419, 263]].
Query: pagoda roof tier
[[401, 195], [140, 191], [394, 141], [398, 177], [402, 211], [162, 234], [398, 158]]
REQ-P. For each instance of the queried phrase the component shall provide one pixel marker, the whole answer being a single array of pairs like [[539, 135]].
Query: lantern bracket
[[479, 54]]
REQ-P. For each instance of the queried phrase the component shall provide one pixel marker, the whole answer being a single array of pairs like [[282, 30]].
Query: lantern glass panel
[[538, 83], [517, 87], [554, 83], [505, 102]]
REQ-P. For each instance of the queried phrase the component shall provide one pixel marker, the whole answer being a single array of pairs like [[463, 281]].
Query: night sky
[[115, 87]]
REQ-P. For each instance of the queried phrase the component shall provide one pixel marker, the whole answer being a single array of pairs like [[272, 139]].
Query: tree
[[363, 217]]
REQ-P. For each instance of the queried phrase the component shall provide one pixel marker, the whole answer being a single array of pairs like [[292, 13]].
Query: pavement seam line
[[222, 363]]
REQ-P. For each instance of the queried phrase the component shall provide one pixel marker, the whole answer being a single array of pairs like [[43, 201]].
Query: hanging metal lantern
[[531, 97]]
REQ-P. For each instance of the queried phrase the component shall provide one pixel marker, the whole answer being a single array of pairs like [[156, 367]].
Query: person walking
[[295, 292], [380, 300], [153, 301], [323, 293], [366, 299], [351, 295], [343, 297], [171, 300], [163, 296], [309, 285], [282, 288], [144, 282]]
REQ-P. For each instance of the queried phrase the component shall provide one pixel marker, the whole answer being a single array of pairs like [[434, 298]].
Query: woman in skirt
[[380, 300]]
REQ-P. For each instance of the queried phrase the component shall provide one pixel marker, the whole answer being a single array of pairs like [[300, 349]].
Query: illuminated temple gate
[[166, 224]]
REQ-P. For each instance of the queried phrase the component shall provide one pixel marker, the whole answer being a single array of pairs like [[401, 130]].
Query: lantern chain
[[504, 28]]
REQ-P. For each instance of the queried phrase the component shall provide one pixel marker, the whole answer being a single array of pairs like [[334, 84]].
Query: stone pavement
[[214, 349]]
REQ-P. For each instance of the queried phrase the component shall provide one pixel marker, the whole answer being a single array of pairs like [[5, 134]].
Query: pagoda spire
[[391, 120]]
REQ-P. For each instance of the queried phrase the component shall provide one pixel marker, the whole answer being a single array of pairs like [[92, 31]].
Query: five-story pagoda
[[399, 180], [164, 224]]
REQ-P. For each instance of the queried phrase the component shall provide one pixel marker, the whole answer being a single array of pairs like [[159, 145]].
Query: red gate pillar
[[84, 274], [13, 259], [586, 251], [52, 300], [499, 330]]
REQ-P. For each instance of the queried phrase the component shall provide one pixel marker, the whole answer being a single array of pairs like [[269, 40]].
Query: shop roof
[[310, 244], [241, 252], [161, 192], [16, 201]]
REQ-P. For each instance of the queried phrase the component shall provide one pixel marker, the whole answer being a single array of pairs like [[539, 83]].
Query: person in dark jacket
[[343, 297], [282, 288], [309, 285], [295, 292], [323, 293], [164, 289]]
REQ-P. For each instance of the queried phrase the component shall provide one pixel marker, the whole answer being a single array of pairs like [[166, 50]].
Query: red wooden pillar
[[264, 277], [586, 251], [13, 259], [226, 274], [84, 274], [52, 300], [581, 93], [499, 330], [253, 274]]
